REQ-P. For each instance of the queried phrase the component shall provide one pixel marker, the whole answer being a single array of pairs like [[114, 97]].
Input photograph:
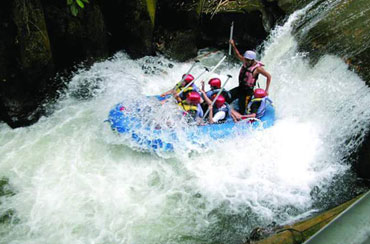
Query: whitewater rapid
[[75, 181]]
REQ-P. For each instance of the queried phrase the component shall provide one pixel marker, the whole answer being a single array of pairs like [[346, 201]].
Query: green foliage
[[75, 5]]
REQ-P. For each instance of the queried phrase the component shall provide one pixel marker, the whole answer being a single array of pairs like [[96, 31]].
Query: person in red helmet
[[186, 79], [220, 111], [257, 106], [248, 76], [215, 85], [192, 108]]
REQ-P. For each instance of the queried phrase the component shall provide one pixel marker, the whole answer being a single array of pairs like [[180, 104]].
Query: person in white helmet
[[248, 76]]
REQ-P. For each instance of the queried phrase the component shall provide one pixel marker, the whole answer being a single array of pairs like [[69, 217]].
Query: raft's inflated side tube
[[123, 123]]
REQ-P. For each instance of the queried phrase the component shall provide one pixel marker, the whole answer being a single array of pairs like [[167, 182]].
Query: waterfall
[[75, 181]]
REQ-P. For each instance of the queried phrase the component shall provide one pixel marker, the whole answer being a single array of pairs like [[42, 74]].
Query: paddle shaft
[[213, 69], [186, 74], [231, 36], [206, 70]]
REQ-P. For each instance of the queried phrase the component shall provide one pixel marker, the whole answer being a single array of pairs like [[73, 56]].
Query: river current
[[75, 181]]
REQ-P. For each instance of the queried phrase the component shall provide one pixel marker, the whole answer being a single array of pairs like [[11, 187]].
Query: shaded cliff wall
[[130, 25], [342, 28], [42, 37], [26, 61]]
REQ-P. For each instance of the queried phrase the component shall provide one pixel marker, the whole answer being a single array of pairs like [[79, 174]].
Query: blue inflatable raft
[[165, 140]]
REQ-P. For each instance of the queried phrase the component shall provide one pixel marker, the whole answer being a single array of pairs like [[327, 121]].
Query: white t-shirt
[[220, 115]]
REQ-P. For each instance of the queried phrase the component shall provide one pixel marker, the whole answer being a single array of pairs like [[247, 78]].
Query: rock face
[[26, 60], [342, 28], [130, 25], [42, 37], [38, 39], [75, 38]]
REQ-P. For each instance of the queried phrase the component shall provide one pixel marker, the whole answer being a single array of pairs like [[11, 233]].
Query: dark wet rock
[[179, 45], [130, 25], [26, 61], [75, 38], [5, 191], [342, 28], [38, 39], [362, 165], [289, 6], [177, 29], [248, 30]]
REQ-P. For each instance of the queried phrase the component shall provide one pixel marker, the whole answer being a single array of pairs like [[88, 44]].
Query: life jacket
[[189, 108], [262, 108], [179, 88], [246, 78], [212, 93], [225, 108]]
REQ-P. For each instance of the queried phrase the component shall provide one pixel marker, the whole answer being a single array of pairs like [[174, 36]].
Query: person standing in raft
[[248, 76], [192, 108], [180, 86]]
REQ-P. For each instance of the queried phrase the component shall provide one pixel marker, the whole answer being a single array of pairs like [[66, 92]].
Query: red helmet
[[193, 97], [215, 82], [260, 93], [189, 78], [220, 101]]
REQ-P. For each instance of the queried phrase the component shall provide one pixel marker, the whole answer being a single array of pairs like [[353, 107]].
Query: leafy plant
[[75, 5]]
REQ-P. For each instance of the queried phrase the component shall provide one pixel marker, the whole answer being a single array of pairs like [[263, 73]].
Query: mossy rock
[[180, 45], [343, 31]]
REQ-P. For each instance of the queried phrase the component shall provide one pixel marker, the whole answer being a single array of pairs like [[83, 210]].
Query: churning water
[[75, 181]]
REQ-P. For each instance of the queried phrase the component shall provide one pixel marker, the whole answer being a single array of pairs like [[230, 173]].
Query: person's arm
[[238, 55], [210, 116], [253, 111], [177, 97], [262, 71], [206, 99], [235, 115], [248, 116], [168, 92], [199, 117]]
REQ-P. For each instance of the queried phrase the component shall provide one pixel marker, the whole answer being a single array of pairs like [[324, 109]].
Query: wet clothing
[[258, 106], [221, 114], [243, 96], [244, 91], [194, 111], [214, 92], [185, 92], [246, 78]]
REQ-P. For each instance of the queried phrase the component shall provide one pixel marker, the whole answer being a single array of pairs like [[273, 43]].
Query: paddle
[[186, 74], [231, 36], [205, 70], [218, 94], [213, 69], [182, 79]]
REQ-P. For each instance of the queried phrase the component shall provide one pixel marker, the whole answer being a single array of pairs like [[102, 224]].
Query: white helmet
[[250, 55]]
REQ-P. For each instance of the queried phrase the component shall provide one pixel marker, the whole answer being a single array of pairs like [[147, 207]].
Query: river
[[75, 181]]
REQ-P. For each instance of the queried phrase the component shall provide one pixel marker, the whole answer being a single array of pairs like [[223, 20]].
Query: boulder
[[130, 25], [26, 61], [75, 38], [342, 29]]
